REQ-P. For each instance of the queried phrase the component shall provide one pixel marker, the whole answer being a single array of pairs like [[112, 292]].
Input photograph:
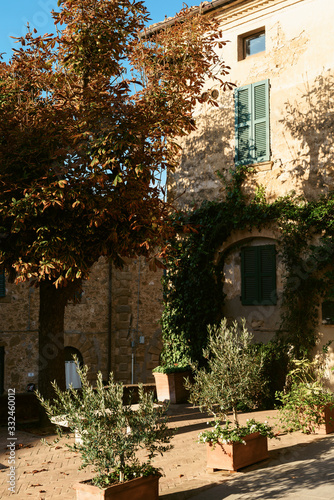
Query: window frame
[[245, 36]]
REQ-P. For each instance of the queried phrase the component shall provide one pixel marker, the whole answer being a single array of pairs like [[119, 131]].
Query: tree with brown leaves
[[82, 144]]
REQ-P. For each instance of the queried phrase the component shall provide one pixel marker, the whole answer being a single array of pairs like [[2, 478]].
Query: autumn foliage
[[83, 140]]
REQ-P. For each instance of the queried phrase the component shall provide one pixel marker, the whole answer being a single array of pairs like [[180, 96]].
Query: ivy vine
[[193, 284]]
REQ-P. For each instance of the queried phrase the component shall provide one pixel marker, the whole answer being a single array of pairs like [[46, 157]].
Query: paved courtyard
[[299, 466]]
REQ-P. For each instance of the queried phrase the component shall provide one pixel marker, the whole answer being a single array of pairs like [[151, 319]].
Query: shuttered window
[[2, 284], [252, 123], [258, 275]]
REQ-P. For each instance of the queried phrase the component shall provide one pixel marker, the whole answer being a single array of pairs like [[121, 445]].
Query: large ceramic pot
[[170, 386], [142, 488], [234, 456]]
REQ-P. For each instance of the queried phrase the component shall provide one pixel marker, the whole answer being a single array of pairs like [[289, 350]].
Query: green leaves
[[80, 147], [111, 431], [304, 400], [194, 284], [227, 434], [233, 375]]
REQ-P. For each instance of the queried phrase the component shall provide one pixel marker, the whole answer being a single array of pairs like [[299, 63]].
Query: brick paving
[[44, 473]]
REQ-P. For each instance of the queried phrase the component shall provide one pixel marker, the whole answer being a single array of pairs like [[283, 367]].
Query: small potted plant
[[170, 382], [231, 379], [111, 433], [175, 359], [306, 403]]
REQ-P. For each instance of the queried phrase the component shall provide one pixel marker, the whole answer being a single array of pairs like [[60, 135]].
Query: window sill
[[253, 56], [263, 166], [258, 167]]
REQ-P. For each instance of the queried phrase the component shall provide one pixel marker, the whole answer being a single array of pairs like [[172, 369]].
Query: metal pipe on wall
[[109, 316], [135, 339]]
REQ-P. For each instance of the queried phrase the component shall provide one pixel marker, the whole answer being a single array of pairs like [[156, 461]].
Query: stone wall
[[123, 308], [301, 76], [19, 324], [120, 308], [137, 308], [300, 70]]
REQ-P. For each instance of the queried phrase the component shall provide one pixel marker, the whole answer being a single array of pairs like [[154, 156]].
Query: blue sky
[[15, 14]]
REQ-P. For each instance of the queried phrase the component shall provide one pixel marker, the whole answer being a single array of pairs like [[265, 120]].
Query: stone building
[[115, 325], [279, 119]]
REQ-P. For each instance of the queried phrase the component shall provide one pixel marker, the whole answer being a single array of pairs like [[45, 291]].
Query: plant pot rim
[[247, 437], [171, 369], [87, 484]]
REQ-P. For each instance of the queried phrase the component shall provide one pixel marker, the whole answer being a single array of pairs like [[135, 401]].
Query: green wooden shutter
[[258, 275], [249, 276], [267, 274], [2, 284], [252, 123], [243, 106], [260, 121]]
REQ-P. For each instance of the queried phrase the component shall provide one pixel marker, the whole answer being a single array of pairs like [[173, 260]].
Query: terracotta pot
[[170, 386], [142, 488], [328, 426], [234, 456]]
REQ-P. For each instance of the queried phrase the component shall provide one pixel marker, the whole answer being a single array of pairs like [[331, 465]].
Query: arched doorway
[[71, 374]]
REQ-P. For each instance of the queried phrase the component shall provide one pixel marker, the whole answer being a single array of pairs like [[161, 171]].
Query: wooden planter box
[[170, 386], [142, 488], [234, 456]]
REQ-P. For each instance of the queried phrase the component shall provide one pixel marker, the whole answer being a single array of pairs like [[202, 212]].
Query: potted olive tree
[[306, 403], [232, 378], [111, 433]]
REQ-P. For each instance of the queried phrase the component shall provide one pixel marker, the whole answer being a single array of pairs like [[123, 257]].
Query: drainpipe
[[133, 362], [29, 309], [109, 316], [133, 342], [138, 294]]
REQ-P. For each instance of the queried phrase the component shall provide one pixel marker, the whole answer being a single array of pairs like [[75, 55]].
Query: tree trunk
[[51, 335], [235, 416]]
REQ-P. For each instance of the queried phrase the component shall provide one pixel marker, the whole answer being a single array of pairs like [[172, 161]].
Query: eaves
[[203, 8]]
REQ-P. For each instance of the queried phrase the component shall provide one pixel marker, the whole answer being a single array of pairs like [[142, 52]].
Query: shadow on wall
[[205, 151], [310, 120]]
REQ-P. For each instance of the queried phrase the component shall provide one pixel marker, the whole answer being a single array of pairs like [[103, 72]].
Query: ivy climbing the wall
[[194, 281]]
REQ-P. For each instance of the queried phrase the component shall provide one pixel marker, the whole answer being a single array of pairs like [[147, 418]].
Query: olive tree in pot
[[111, 435], [231, 379]]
